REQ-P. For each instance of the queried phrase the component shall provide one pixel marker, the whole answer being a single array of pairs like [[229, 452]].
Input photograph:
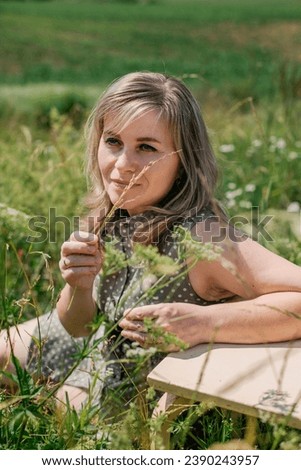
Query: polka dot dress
[[54, 353]]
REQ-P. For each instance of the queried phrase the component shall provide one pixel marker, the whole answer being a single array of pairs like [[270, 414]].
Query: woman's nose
[[127, 161]]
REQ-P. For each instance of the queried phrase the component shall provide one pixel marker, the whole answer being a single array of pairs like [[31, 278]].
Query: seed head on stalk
[[133, 181], [120, 200]]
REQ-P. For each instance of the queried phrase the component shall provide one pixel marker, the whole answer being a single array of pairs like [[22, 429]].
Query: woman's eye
[[147, 148], [112, 141]]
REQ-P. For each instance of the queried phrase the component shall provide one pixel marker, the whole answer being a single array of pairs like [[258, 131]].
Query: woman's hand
[[183, 320], [81, 259]]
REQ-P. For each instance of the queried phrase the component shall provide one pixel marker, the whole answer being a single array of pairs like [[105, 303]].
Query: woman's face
[[144, 152]]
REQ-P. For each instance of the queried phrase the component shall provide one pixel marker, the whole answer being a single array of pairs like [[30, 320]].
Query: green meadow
[[242, 60], [236, 47]]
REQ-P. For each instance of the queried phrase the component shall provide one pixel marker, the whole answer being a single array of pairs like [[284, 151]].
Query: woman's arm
[[267, 286], [76, 309], [81, 260], [268, 318], [245, 268], [265, 319]]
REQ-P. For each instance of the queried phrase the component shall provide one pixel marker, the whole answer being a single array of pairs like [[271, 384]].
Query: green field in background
[[235, 47]]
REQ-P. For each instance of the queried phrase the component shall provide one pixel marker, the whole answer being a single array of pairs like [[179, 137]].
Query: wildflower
[[273, 139], [191, 248], [250, 188], [114, 259], [292, 156], [234, 194], [137, 351], [148, 282], [231, 186], [231, 203], [280, 144], [245, 204], [293, 207], [156, 334], [257, 143], [227, 148], [250, 152], [13, 212], [155, 263]]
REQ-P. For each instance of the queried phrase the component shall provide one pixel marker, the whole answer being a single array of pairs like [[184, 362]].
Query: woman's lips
[[123, 184]]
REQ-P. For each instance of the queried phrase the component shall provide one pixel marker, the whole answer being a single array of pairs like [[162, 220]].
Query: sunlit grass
[[252, 150], [248, 85], [232, 46]]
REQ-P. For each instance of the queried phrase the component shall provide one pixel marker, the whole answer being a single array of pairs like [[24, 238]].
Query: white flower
[[250, 188], [273, 139], [292, 156], [230, 203], [250, 152], [257, 143], [245, 204], [13, 212], [293, 207], [148, 282], [227, 148], [298, 143], [280, 144], [231, 185], [233, 194]]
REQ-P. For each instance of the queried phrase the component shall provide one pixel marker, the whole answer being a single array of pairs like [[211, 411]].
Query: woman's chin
[[128, 205]]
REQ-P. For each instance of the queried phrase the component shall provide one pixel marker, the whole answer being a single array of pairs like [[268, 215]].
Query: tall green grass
[[53, 67], [254, 152], [95, 42]]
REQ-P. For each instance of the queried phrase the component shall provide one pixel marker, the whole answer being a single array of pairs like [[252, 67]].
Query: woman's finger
[[146, 311], [84, 237], [140, 338], [80, 261], [74, 247], [146, 341], [132, 325], [75, 271]]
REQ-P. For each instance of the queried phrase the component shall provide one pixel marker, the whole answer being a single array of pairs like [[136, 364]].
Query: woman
[[152, 168]]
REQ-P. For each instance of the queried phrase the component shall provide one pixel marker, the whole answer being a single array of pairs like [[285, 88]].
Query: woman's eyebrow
[[148, 139], [109, 132]]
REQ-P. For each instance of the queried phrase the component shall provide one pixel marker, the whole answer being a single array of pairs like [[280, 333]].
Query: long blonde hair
[[129, 97]]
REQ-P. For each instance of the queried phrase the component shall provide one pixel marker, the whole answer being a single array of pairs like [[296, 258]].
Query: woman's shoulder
[[204, 223], [195, 217]]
